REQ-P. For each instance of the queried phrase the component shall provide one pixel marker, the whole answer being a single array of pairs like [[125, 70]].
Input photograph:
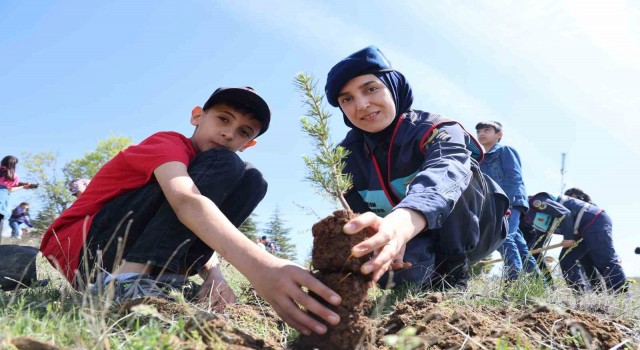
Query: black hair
[[496, 126], [264, 237], [9, 167], [580, 194]]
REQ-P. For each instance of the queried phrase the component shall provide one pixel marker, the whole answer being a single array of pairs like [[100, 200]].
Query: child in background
[[502, 164], [586, 221], [166, 204], [415, 179], [9, 182], [78, 186], [19, 216]]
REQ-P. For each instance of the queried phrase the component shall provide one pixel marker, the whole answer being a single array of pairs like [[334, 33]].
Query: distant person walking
[[19, 216], [9, 183]]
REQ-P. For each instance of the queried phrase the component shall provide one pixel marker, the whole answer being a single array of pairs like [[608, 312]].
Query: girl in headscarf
[[415, 178]]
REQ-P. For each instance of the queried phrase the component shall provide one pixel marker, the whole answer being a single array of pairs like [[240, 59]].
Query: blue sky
[[560, 76]]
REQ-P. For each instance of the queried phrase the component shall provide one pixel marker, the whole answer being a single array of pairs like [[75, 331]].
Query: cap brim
[[247, 97]]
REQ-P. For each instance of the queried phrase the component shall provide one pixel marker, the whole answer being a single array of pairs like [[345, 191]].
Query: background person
[[19, 216], [502, 164], [78, 186], [586, 221], [9, 182]]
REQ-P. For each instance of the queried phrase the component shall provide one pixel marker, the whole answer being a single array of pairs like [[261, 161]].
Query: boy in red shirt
[[155, 213]]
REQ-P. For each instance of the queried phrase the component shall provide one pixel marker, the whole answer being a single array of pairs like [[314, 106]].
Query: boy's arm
[[277, 280]]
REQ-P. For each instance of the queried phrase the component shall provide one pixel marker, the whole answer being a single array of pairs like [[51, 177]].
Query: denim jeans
[[514, 250], [15, 228], [148, 229]]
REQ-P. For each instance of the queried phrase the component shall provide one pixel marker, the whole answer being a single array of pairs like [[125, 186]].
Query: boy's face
[[222, 126], [368, 103], [488, 136]]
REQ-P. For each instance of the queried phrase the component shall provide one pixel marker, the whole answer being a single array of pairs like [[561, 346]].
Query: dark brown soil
[[442, 325], [332, 248], [437, 322], [338, 270], [26, 343]]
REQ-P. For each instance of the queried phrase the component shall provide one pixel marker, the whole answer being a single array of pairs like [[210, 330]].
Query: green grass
[[57, 314]]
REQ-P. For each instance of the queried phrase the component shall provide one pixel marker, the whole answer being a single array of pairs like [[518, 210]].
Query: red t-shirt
[[130, 169]]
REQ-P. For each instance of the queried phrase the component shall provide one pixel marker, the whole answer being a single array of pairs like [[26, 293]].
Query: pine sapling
[[331, 256], [325, 168]]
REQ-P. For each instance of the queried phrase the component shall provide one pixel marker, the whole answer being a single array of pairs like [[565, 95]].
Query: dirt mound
[[445, 325], [433, 321]]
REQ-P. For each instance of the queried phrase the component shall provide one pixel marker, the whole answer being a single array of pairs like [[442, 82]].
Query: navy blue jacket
[[424, 165], [573, 223]]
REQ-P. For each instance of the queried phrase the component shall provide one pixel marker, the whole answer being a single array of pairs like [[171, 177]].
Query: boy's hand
[[216, 291], [567, 243], [389, 240], [281, 285]]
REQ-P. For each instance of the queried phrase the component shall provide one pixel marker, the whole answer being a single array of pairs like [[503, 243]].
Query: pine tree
[[279, 235], [249, 227]]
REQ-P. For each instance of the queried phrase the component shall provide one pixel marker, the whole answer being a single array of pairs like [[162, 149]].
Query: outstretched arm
[[277, 280]]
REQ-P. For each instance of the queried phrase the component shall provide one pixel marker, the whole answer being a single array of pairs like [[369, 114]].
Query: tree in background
[[279, 235], [88, 166], [249, 227], [53, 192]]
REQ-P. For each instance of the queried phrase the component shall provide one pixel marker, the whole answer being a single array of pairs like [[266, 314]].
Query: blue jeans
[[15, 228], [149, 228], [514, 250]]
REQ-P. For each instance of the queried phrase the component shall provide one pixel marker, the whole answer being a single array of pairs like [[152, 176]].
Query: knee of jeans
[[254, 179], [218, 157]]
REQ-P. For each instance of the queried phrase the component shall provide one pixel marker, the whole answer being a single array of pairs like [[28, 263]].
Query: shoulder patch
[[437, 135], [538, 204]]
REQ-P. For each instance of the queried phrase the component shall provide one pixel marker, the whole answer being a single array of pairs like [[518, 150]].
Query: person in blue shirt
[[415, 179], [502, 164], [592, 226]]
